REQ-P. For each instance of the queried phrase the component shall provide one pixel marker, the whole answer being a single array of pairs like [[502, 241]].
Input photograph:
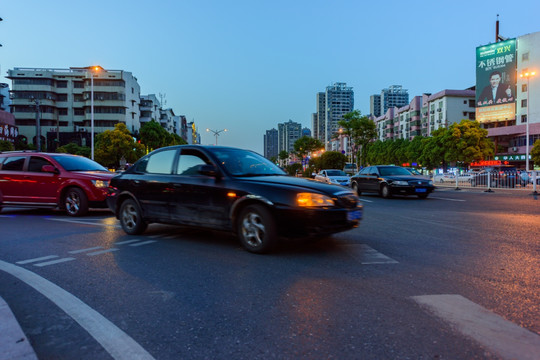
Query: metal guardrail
[[494, 180]]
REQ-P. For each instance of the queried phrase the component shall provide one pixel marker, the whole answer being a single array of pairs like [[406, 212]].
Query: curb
[[14, 345]]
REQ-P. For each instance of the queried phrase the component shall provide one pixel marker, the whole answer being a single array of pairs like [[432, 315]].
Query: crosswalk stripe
[[501, 336], [53, 262]]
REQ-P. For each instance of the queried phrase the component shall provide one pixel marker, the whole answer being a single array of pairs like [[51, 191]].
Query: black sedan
[[388, 180], [229, 189]]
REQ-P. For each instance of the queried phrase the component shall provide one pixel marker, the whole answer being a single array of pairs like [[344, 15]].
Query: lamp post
[[92, 70], [216, 132], [527, 75], [38, 125]]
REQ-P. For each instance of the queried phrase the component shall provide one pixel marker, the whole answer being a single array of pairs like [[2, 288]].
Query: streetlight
[[216, 132], [38, 125], [92, 70], [527, 75]]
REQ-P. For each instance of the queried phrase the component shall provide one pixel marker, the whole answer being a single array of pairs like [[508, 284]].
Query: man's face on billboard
[[494, 80]]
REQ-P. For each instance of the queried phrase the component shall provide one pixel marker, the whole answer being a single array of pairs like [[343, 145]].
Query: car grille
[[418, 182]]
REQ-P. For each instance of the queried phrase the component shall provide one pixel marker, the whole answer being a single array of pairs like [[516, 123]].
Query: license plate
[[421, 190], [354, 215]]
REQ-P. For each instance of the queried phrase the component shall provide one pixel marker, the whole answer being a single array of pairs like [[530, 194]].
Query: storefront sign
[[8, 132]]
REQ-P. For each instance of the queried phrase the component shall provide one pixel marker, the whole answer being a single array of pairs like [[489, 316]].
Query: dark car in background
[[50, 180], [389, 180], [230, 189]]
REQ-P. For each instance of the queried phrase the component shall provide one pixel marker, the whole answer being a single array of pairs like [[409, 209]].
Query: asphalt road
[[456, 276]]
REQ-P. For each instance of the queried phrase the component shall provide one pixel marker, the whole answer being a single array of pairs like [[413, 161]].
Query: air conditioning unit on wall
[[514, 149]]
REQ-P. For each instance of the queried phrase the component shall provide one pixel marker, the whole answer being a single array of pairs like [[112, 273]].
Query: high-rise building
[[320, 118], [394, 96], [339, 100], [288, 133], [271, 144], [375, 105], [63, 97]]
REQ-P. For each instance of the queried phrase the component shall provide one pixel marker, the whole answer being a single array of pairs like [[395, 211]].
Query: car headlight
[[431, 182], [311, 199], [400, 182], [334, 181], [100, 183]]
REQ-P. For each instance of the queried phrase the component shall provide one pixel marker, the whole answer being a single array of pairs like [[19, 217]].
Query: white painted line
[[169, 237], [126, 242], [440, 198], [116, 342], [364, 200], [84, 250], [102, 252], [501, 336], [144, 243], [36, 259], [369, 256], [53, 262], [84, 222]]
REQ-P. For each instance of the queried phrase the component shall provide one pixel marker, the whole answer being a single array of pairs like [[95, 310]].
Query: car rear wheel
[[76, 202], [385, 192], [256, 229], [131, 218], [355, 189]]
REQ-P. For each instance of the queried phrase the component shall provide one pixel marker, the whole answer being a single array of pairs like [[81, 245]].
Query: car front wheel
[[76, 202], [385, 192], [131, 218], [256, 229], [355, 189]]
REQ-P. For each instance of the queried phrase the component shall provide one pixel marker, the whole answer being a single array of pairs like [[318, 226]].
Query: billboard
[[8, 132], [496, 81]]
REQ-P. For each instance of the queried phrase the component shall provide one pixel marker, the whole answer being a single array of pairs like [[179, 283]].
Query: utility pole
[[38, 125]]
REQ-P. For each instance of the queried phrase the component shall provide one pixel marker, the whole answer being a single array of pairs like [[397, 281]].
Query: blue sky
[[249, 65]]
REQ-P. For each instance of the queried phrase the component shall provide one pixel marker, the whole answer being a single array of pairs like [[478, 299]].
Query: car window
[[365, 171], [161, 162], [14, 163], [36, 163], [189, 162], [78, 163], [336, 173], [387, 171]]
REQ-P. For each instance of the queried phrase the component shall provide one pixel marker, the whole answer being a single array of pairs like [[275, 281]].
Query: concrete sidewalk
[[14, 345]]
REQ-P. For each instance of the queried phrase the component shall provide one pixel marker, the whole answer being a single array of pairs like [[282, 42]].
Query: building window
[[524, 88], [523, 118], [471, 103], [61, 84], [62, 111], [62, 97], [78, 111], [524, 103], [78, 84], [525, 57]]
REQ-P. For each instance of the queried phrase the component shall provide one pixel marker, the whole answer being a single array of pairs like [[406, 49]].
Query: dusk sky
[[249, 65]]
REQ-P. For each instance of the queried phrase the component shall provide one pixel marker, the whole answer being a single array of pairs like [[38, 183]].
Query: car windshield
[[388, 171], [335, 173], [414, 171], [78, 163], [240, 162]]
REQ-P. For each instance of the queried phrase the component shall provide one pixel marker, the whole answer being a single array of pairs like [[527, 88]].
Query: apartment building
[[63, 98], [271, 144], [339, 100], [288, 133]]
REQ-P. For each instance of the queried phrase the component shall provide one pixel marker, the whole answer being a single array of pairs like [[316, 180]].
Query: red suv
[[69, 182]]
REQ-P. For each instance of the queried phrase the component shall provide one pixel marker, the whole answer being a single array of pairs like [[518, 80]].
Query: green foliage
[[307, 144], [361, 130], [154, 136], [113, 145], [6, 145], [466, 142], [293, 168], [330, 160], [73, 148], [535, 153]]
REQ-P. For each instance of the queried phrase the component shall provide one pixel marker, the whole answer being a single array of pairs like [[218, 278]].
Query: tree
[[153, 135], [6, 146], [283, 155], [331, 160], [306, 145], [535, 153], [114, 145], [434, 150], [73, 148], [361, 130], [467, 142]]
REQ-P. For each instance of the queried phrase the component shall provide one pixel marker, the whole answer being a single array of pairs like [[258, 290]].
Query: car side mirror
[[49, 169], [208, 170]]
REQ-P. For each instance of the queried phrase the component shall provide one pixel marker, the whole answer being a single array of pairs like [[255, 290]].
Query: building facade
[[288, 133], [339, 99], [375, 105], [271, 144], [393, 96], [63, 98]]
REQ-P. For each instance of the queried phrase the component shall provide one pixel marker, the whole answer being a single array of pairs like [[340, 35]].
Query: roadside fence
[[514, 180]]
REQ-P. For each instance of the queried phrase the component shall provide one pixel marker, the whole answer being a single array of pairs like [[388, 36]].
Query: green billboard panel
[[496, 81]]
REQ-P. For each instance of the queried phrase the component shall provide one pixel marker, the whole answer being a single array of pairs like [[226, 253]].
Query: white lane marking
[[36, 259], [449, 199], [144, 243], [52, 262], [364, 200], [126, 242], [369, 256], [84, 222], [84, 250], [102, 252], [501, 336], [170, 237], [116, 342]]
